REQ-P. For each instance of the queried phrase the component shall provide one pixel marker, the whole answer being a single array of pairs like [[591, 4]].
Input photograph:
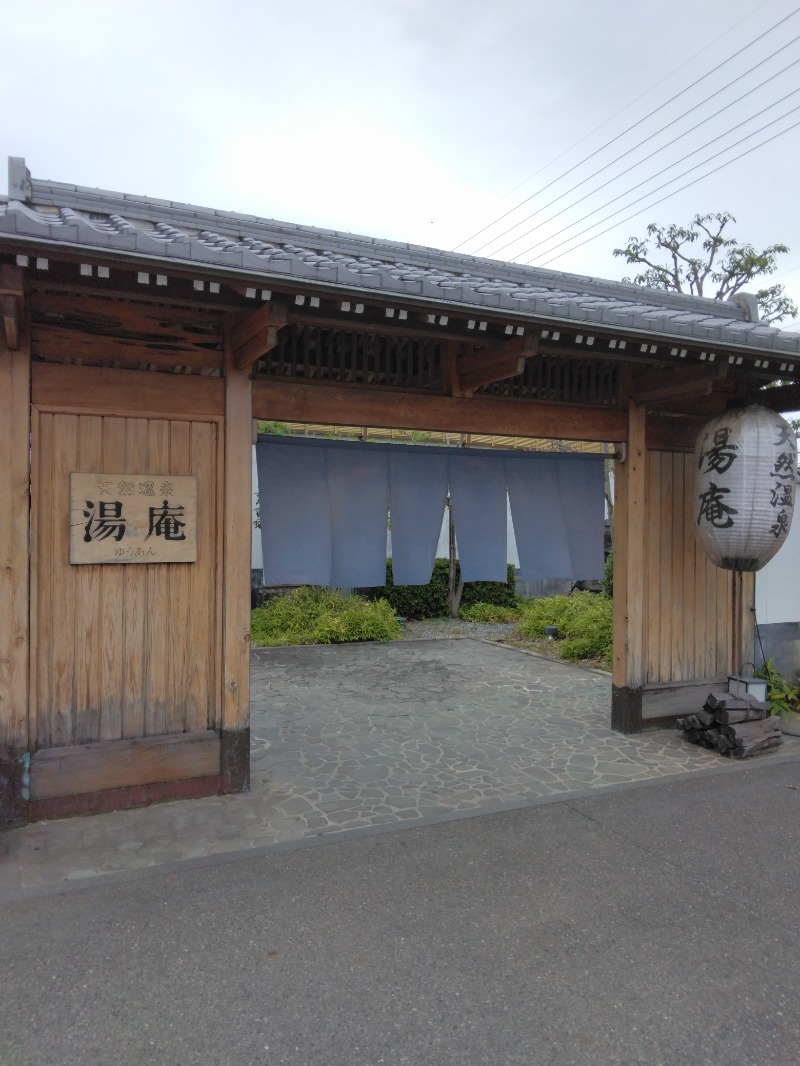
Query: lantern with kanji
[[745, 474]]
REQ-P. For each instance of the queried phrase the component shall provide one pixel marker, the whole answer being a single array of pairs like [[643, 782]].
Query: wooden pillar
[[15, 421], [743, 608], [237, 511], [630, 516]]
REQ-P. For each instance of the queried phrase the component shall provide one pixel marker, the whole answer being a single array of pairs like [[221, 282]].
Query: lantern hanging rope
[[746, 471]]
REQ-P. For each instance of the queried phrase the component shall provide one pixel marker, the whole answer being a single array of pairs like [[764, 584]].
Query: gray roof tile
[[164, 229]]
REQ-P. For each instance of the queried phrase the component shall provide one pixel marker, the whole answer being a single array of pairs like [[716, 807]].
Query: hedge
[[430, 601]]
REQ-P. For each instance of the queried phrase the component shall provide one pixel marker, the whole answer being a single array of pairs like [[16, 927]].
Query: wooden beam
[[84, 768], [105, 391], [669, 434], [647, 378], [498, 369], [119, 329], [363, 406], [358, 324], [449, 354], [56, 343], [11, 296], [781, 398], [8, 308], [257, 334], [497, 363], [652, 397]]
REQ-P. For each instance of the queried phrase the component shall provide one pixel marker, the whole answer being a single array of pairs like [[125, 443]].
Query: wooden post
[[630, 517], [744, 627], [15, 423], [237, 509]]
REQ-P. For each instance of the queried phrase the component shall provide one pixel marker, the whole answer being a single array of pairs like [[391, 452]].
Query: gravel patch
[[447, 628]]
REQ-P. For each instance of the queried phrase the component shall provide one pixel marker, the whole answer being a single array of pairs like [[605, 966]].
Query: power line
[[667, 197], [669, 166], [632, 127], [627, 106], [655, 153], [783, 273], [643, 142], [666, 183]]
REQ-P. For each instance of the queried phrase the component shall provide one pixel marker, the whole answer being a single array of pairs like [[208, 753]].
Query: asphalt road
[[658, 924]]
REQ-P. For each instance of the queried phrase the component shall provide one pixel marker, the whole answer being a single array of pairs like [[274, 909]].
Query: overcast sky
[[415, 119]]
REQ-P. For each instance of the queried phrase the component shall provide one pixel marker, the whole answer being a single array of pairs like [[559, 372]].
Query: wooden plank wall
[[122, 651], [14, 511], [696, 614]]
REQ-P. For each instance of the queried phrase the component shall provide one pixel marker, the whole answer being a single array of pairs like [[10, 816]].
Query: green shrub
[[608, 575], [536, 614], [783, 694], [322, 616], [488, 612], [430, 601], [583, 620]]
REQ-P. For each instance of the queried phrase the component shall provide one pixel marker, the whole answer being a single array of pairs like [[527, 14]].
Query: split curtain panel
[[324, 507]]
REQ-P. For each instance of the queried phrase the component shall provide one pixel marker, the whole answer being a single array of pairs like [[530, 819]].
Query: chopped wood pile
[[736, 726]]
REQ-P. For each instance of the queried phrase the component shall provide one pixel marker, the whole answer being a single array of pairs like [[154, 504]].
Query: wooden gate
[[126, 661]]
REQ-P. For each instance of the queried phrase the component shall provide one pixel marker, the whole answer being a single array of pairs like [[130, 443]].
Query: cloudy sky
[[508, 128]]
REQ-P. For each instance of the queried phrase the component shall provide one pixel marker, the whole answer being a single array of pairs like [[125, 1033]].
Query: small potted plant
[[783, 696]]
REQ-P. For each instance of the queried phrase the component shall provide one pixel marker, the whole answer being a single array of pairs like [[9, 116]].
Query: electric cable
[[594, 174], [630, 104], [674, 192], [644, 181], [674, 140], [671, 180], [660, 107]]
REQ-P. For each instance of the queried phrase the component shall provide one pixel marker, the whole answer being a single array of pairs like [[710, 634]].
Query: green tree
[[701, 260]]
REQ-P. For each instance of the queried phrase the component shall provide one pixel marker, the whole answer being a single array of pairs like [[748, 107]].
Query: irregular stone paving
[[382, 733], [367, 735]]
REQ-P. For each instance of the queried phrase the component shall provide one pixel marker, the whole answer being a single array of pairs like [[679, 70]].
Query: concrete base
[[626, 709], [13, 805], [235, 760]]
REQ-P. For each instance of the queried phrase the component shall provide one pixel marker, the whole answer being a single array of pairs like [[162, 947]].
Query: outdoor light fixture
[[551, 632], [739, 685]]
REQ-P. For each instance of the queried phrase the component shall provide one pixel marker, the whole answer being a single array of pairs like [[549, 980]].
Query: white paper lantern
[[746, 469]]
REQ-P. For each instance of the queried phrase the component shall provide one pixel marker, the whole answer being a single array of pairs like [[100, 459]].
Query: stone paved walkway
[[362, 736]]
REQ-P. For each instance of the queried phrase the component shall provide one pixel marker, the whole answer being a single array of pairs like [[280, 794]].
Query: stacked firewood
[[736, 726]]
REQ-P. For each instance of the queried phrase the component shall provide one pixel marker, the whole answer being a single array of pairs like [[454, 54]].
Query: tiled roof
[[273, 252]]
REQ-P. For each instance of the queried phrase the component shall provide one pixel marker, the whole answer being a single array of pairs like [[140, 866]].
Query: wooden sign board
[[133, 518]]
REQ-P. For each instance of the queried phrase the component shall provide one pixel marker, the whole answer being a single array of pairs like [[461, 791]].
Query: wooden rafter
[[695, 389], [686, 389], [257, 334], [464, 370], [497, 363], [11, 295], [781, 398]]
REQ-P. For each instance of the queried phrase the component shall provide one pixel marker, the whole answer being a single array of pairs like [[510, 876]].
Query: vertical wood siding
[[14, 510], [122, 651], [696, 614]]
